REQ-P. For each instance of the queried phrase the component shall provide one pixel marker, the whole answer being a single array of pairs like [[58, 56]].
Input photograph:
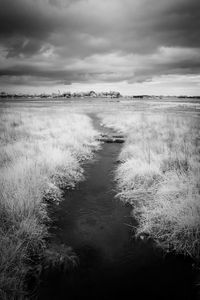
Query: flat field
[[43, 145]]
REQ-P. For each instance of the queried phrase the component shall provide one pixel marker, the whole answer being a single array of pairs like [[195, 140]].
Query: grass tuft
[[159, 175], [40, 155]]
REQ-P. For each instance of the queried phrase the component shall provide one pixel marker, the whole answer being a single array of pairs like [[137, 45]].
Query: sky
[[131, 46]]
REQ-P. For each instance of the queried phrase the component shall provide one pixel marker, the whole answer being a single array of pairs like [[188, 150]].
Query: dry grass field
[[159, 174], [40, 154]]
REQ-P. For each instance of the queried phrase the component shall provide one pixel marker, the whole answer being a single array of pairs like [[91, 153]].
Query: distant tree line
[[92, 94]]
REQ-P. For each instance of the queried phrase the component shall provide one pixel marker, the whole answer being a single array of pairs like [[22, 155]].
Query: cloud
[[98, 40]]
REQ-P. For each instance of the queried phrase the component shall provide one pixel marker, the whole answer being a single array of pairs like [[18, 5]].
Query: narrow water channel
[[112, 264]]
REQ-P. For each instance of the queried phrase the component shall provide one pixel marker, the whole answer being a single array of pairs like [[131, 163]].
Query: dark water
[[112, 264]]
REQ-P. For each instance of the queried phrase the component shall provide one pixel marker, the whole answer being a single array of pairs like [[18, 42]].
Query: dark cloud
[[28, 18], [98, 40]]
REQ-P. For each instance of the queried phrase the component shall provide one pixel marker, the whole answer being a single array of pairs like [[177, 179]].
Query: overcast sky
[[134, 46]]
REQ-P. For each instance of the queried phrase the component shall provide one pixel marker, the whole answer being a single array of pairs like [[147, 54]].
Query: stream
[[112, 263]]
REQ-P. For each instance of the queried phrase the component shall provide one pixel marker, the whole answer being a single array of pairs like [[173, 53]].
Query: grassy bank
[[159, 175], [40, 154]]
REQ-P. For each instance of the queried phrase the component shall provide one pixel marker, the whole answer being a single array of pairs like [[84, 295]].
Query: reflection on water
[[91, 215], [111, 263]]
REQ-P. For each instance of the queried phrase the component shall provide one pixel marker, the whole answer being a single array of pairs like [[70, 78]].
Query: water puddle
[[112, 264]]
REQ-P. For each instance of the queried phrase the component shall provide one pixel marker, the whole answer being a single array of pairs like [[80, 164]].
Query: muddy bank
[[112, 264]]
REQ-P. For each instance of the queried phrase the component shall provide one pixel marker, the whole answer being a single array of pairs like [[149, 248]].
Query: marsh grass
[[41, 153], [159, 175]]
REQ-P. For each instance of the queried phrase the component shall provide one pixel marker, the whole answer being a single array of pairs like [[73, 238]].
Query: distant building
[[67, 95]]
